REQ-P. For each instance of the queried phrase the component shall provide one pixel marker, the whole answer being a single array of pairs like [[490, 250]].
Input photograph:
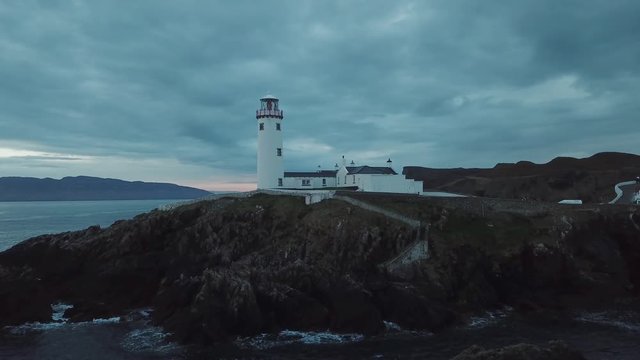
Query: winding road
[[626, 192]]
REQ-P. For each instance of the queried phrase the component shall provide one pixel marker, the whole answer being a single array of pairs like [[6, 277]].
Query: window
[[279, 151], [278, 126], [279, 181], [261, 126], [306, 182], [345, 179], [354, 179], [324, 182]]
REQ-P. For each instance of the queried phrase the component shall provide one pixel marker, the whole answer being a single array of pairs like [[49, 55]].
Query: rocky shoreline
[[215, 270]]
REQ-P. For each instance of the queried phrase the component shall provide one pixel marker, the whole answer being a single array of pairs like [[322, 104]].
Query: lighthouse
[[270, 165]]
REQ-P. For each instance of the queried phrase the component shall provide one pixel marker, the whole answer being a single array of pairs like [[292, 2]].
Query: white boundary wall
[[316, 182], [379, 182], [387, 183], [310, 196]]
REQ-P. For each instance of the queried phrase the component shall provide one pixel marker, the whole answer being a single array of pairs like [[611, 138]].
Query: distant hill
[[590, 179], [90, 188]]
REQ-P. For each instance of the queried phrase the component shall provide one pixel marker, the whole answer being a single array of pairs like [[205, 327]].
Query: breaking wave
[[137, 335], [489, 318], [150, 339], [289, 337], [624, 320]]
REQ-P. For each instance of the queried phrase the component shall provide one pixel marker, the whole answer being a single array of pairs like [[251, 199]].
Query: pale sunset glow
[[26, 154]]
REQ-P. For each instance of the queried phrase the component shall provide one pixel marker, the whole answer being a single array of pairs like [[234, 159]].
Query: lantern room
[[269, 108]]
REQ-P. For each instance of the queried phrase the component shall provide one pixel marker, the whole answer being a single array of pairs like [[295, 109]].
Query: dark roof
[[382, 170], [319, 173]]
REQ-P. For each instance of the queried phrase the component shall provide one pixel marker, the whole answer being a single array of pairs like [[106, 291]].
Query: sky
[[166, 91]]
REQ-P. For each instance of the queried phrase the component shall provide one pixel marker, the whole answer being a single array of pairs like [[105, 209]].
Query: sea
[[612, 333], [25, 219]]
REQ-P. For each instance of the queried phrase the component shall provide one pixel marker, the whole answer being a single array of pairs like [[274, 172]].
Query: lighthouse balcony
[[269, 113]]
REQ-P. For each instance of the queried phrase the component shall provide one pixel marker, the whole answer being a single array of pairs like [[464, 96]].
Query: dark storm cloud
[[434, 83]]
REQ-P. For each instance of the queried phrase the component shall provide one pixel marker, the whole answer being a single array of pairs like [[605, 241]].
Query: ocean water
[[611, 334], [604, 334], [22, 220]]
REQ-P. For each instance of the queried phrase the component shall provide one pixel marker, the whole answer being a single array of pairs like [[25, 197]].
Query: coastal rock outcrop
[[215, 270]]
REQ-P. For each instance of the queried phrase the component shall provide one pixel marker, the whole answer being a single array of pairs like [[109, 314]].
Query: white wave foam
[[488, 318], [148, 339], [138, 315], [111, 320], [320, 337], [57, 318], [58, 321], [38, 326], [622, 320], [34, 327], [57, 311], [391, 326], [288, 337]]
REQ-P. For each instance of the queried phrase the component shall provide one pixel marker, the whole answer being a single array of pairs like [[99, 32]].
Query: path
[[625, 192], [418, 250]]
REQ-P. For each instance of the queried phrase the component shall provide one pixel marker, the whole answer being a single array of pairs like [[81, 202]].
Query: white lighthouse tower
[[270, 165]]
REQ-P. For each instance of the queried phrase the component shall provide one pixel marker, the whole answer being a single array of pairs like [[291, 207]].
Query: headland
[[217, 269]]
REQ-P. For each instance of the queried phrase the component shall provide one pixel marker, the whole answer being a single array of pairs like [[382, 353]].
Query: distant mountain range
[[90, 188], [590, 179]]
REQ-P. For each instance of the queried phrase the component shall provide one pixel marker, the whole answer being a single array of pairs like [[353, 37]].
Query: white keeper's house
[[271, 174]]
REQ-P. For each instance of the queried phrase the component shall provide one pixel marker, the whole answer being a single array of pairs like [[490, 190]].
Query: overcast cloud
[[167, 90]]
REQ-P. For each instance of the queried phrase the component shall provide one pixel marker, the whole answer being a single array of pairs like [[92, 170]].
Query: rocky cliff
[[218, 269]]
